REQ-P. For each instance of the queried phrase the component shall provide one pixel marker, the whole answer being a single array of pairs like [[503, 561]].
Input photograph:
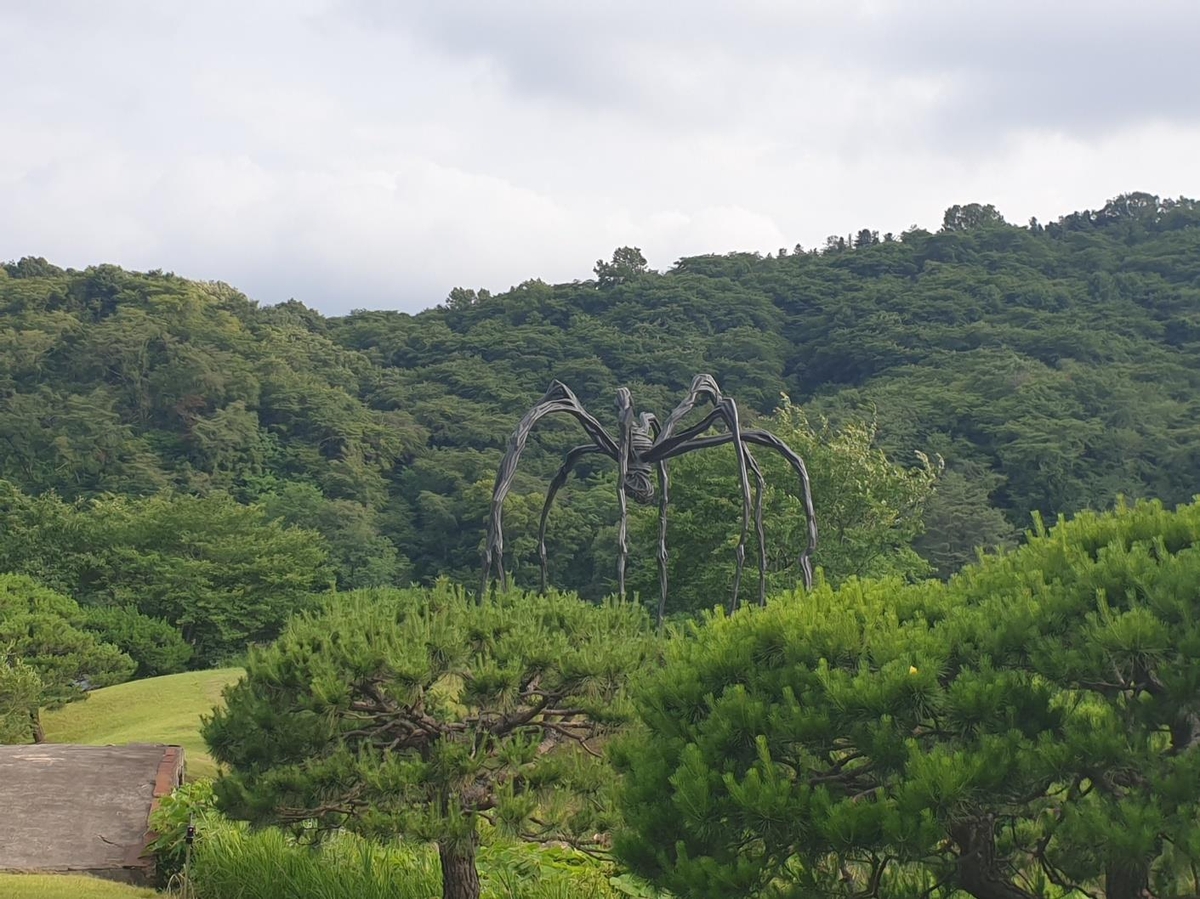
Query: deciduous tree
[[869, 510]]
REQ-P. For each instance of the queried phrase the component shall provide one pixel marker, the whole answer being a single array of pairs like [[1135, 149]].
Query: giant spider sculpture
[[640, 445]]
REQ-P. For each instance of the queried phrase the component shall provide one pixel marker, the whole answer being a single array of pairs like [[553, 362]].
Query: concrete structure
[[83, 809]]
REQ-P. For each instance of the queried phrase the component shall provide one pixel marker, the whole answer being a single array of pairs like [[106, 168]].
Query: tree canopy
[[46, 656], [425, 714], [1030, 726], [220, 573], [1055, 365]]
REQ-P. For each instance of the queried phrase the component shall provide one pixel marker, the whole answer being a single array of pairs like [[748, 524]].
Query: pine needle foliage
[[1031, 728], [421, 713]]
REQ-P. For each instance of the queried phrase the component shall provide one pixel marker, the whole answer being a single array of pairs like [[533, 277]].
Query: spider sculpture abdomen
[[642, 448]]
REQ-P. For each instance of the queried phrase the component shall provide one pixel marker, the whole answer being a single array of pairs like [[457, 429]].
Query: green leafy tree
[[865, 238], [1103, 608], [422, 713], [819, 747], [362, 556], [155, 645], [222, 573], [960, 520], [41, 630], [969, 216], [627, 263], [219, 571]]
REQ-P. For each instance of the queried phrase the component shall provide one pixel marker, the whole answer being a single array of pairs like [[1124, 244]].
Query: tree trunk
[[978, 872], [1127, 881], [35, 726], [460, 877]]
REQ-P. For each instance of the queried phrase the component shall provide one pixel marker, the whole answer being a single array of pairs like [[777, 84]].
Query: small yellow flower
[[912, 669]]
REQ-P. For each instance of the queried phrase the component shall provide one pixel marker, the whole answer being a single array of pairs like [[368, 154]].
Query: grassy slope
[[155, 710], [62, 886]]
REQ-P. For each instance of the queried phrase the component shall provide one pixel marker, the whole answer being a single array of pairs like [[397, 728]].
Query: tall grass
[[232, 862]]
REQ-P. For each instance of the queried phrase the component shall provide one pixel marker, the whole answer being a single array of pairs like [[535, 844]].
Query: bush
[[171, 820], [156, 646]]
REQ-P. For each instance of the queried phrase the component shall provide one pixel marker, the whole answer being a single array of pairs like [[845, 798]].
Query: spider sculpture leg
[[560, 479], [704, 388], [558, 399], [767, 439], [735, 432], [664, 487], [647, 426], [760, 485], [624, 448], [666, 448]]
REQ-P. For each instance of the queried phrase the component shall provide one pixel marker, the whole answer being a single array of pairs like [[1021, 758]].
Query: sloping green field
[[66, 886], [155, 710]]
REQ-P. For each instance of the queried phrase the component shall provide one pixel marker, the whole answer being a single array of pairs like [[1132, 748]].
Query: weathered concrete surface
[[82, 808]]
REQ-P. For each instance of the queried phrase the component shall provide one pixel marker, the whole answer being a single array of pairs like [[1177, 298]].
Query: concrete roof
[[82, 808]]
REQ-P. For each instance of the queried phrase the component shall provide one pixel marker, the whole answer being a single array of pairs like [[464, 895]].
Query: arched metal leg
[[557, 399], [730, 413], [767, 439], [624, 448], [560, 479], [664, 487], [760, 487]]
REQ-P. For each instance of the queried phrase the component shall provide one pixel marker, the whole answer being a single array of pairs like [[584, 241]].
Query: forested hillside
[[1053, 367]]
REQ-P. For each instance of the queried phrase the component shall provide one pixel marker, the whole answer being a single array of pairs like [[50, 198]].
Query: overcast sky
[[375, 154]]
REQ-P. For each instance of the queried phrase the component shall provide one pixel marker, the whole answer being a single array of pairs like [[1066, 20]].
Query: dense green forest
[[1052, 367], [185, 474]]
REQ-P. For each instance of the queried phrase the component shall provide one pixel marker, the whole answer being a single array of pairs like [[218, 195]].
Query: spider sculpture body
[[641, 449]]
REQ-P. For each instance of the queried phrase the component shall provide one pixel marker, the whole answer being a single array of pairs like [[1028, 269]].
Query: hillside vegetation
[[154, 710], [1053, 367]]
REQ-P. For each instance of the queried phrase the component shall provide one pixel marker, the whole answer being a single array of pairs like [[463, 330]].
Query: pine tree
[[20, 697], [423, 714], [1104, 608], [1030, 728], [46, 657]]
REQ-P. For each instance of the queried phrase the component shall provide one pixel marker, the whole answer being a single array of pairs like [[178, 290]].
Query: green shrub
[[175, 813], [156, 646]]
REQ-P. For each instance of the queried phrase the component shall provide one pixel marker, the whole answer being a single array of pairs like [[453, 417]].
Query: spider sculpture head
[[641, 447]]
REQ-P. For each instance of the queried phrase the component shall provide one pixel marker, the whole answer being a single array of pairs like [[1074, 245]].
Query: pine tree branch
[[571, 735]]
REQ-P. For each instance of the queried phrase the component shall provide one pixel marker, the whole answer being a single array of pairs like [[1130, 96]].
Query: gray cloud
[[376, 154], [1027, 63]]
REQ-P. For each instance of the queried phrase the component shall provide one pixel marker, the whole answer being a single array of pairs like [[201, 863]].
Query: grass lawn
[[67, 886], [155, 710]]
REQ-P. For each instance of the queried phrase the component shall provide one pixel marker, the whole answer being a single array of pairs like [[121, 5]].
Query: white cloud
[[375, 154]]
